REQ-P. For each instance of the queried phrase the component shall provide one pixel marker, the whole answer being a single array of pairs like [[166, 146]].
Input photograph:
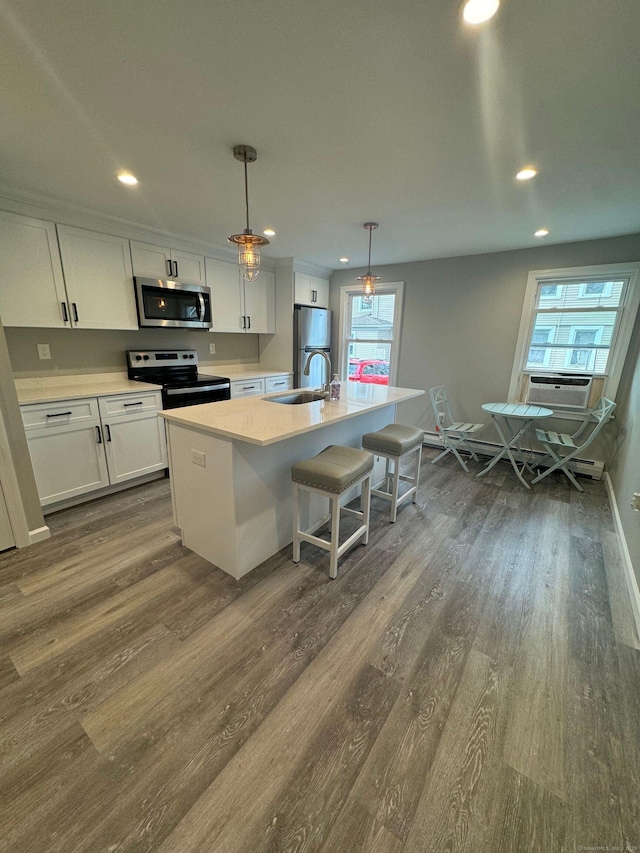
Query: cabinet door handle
[[59, 414], [175, 266], [139, 403], [244, 322], [65, 313], [313, 296], [108, 429], [75, 311], [249, 319], [169, 269], [99, 435]]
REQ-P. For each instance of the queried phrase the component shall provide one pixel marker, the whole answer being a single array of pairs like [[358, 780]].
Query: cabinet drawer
[[246, 388], [63, 413], [129, 404], [279, 383]]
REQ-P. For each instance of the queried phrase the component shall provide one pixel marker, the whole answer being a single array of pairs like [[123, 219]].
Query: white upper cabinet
[[260, 303], [160, 262], [238, 305], [310, 290], [32, 289], [223, 279], [99, 279]]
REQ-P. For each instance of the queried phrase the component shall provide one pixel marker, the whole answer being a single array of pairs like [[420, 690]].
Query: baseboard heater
[[587, 467]]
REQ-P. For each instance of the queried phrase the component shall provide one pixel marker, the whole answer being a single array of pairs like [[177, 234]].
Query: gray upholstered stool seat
[[332, 472], [395, 442]]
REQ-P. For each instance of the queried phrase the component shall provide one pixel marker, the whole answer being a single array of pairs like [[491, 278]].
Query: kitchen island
[[230, 465]]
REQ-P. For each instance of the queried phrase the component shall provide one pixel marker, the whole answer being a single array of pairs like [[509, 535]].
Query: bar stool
[[395, 442], [331, 473]]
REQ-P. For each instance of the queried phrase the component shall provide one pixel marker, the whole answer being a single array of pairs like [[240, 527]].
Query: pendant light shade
[[368, 280], [248, 243]]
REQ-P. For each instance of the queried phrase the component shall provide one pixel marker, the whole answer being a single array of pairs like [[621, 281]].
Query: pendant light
[[248, 243], [368, 280]]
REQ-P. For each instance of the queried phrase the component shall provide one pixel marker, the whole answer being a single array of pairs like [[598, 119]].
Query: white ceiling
[[395, 112]]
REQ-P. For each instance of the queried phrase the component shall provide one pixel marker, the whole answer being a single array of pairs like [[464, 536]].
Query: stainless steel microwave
[[172, 304]]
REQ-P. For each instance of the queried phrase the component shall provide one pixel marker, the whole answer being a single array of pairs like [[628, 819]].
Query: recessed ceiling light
[[344, 260], [269, 232], [526, 174], [479, 11], [542, 232], [128, 179]]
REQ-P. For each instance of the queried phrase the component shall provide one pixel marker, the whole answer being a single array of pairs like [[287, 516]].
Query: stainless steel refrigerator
[[311, 330]]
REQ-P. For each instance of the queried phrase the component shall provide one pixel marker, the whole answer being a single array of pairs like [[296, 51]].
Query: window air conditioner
[[571, 392]]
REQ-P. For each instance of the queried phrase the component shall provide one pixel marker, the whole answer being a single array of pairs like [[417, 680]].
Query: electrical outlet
[[635, 502], [198, 458], [212, 349], [441, 417], [43, 351]]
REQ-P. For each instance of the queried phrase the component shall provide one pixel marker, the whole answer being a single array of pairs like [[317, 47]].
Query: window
[[370, 334], [577, 321], [539, 356]]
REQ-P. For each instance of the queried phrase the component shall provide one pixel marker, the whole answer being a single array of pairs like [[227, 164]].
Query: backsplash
[[84, 351]]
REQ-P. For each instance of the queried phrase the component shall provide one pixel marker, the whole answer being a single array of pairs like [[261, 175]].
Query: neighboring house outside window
[[577, 321], [370, 332]]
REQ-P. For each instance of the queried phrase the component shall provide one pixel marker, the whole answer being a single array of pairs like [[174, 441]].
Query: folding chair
[[455, 434], [555, 443]]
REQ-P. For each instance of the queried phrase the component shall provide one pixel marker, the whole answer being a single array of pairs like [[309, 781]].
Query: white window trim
[[619, 346], [348, 290]]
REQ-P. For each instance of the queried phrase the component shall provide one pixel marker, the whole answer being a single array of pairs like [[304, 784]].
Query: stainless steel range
[[177, 372]]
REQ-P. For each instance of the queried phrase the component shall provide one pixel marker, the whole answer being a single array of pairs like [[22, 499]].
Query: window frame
[[620, 342], [349, 290]]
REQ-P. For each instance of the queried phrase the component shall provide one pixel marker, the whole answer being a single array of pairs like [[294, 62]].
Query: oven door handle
[[202, 307], [173, 392]]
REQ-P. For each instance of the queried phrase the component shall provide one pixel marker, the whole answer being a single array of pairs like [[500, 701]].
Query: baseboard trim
[[588, 467], [630, 575], [39, 534]]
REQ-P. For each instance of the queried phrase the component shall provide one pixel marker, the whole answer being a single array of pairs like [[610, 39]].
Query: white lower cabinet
[[279, 383], [262, 385], [247, 387], [133, 434], [79, 446]]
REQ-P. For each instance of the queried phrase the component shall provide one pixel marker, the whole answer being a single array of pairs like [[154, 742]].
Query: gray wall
[[97, 351], [461, 318], [18, 440], [624, 463], [460, 327]]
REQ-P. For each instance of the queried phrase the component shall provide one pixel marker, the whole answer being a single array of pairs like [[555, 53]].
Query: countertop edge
[[225, 433]]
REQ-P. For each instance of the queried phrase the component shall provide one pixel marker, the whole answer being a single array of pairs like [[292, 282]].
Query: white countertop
[[50, 389], [240, 372], [258, 420]]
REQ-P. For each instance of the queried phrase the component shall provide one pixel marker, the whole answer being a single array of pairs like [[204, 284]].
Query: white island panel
[[236, 510]]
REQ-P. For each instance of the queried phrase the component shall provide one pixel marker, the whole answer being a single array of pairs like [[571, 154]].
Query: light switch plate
[[44, 352], [212, 349], [635, 502]]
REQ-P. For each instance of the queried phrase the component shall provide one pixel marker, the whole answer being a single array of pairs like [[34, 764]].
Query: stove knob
[[192, 356], [146, 357], [138, 358], [185, 356]]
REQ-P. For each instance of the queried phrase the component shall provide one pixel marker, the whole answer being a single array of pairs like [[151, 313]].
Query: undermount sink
[[296, 399]]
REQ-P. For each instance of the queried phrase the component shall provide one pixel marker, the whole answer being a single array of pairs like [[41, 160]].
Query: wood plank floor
[[470, 682]]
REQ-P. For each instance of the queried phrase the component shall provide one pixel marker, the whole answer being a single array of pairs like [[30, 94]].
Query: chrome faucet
[[326, 387]]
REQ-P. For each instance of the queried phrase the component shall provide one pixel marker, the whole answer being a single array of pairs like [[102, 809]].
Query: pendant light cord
[[369, 264], [246, 193]]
